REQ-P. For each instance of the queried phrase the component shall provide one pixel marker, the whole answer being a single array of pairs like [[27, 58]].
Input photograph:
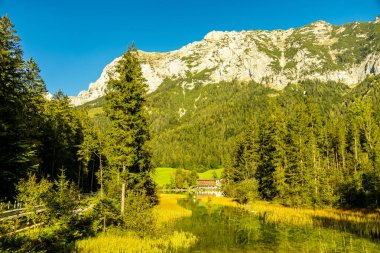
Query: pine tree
[[17, 150], [63, 135], [129, 136]]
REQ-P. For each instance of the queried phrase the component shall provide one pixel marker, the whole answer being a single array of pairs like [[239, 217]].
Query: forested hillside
[[312, 143], [197, 129], [311, 148]]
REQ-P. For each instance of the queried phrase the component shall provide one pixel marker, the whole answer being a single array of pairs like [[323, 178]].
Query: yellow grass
[[166, 213], [129, 242], [223, 201], [360, 222], [275, 213]]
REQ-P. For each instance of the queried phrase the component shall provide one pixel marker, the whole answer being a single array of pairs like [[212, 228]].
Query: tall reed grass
[[219, 224], [361, 222], [168, 210], [264, 226], [128, 242], [163, 240]]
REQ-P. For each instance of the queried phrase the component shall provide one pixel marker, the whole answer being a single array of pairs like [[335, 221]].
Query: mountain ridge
[[318, 51]]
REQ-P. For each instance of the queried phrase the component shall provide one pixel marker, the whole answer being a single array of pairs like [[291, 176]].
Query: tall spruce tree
[[128, 138], [19, 97]]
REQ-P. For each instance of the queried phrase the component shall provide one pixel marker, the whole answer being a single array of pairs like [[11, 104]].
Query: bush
[[138, 215], [244, 191], [362, 191]]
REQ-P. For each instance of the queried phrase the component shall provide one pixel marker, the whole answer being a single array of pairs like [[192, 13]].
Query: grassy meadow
[[162, 175], [219, 224], [210, 173]]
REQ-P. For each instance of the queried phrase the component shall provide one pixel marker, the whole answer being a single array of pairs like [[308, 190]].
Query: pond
[[233, 229]]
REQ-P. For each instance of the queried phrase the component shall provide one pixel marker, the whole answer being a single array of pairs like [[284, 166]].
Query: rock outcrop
[[319, 51]]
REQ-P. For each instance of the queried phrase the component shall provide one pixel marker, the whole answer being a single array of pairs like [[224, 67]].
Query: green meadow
[[162, 175]]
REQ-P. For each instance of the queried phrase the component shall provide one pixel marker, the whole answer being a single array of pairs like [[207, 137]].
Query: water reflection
[[232, 229]]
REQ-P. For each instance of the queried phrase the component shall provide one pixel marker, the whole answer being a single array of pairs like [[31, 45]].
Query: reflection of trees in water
[[223, 228], [234, 229]]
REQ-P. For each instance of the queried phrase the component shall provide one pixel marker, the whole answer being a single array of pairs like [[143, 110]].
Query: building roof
[[207, 182]]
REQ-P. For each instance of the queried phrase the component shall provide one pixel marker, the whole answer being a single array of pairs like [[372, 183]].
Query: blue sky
[[72, 40]]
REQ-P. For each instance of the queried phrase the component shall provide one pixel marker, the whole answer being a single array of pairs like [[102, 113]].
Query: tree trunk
[[122, 195], [79, 170], [356, 154], [122, 199], [101, 176]]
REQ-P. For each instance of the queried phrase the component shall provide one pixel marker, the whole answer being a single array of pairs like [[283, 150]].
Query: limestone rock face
[[318, 51]]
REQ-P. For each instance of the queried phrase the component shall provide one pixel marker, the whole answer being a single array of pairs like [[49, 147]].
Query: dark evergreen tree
[[20, 100], [128, 139]]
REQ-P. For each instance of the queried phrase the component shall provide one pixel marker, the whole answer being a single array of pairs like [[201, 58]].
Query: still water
[[231, 229]]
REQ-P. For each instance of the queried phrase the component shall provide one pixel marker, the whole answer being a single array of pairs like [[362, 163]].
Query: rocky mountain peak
[[318, 51]]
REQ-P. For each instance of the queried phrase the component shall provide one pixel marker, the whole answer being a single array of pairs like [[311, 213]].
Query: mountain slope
[[319, 51], [204, 96]]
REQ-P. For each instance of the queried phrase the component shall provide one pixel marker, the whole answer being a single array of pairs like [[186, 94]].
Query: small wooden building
[[210, 183]]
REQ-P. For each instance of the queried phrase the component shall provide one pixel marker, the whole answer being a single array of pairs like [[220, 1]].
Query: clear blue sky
[[72, 40]]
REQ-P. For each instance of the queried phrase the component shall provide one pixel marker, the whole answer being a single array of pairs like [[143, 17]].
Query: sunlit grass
[[220, 224], [223, 201], [164, 240], [363, 223], [161, 176], [360, 222], [129, 242], [210, 173], [168, 210]]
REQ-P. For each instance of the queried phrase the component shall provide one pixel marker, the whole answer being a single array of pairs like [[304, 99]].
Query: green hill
[[210, 174], [162, 175], [215, 116]]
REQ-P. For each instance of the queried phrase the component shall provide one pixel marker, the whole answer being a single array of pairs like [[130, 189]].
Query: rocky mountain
[[319, 51]]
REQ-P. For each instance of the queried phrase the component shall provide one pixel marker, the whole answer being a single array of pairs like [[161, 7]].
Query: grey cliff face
[[319, 51]]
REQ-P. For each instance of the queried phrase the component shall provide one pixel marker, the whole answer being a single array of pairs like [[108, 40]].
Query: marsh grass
[[114, 241], [212, 224], [168, 210], [361, 222], [222, 225], [163, 239]]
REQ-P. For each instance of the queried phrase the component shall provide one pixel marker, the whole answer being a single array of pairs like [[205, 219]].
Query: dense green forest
[[311, 144], [37, 135], [51, 153], [315, 145]]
